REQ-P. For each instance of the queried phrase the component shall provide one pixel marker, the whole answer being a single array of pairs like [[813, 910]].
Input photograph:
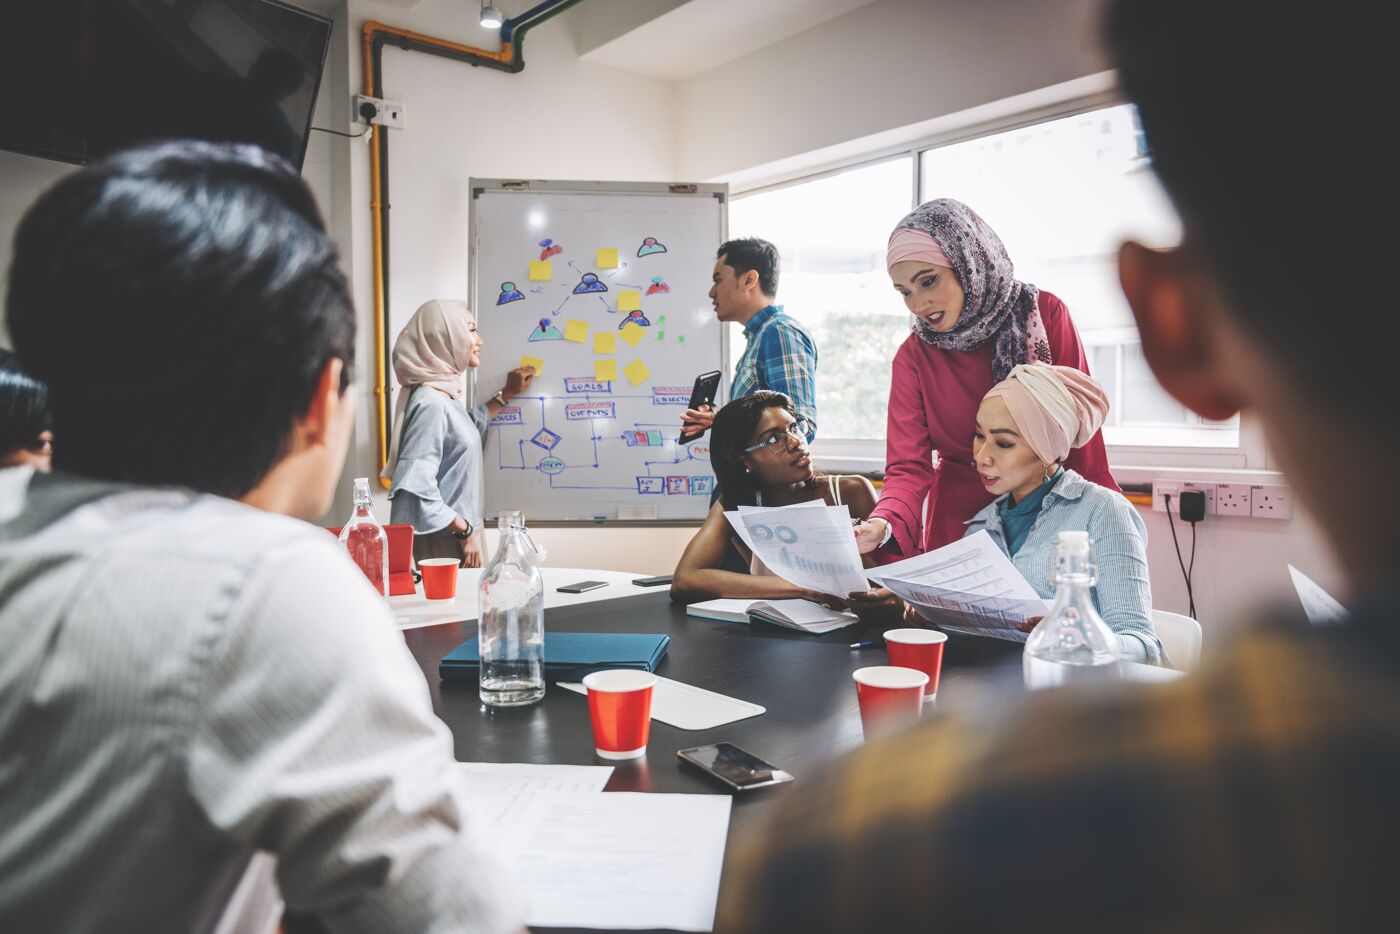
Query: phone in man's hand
[[706, 386]]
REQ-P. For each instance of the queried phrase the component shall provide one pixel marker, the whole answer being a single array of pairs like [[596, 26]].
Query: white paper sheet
[[687, 707], [808, 545], [1320, 606], [966, 586], [621, 860], [497, 776]]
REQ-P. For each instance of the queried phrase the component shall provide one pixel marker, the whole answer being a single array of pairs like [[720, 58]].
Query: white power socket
[[1232, 499], [386, 113], [1270, 502], [1161, 489]]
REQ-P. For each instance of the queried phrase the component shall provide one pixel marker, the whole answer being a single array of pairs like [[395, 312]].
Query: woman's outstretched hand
[[519, 379], [869, 535], [877, 605]]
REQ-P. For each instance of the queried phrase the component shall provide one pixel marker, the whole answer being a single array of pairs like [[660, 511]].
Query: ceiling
[[692, 36]]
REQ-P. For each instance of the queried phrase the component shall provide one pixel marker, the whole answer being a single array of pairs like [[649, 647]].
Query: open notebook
[[802, 615]]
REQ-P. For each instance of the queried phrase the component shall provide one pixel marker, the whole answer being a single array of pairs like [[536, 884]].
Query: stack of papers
[[810, 544], [802, 615], [617, 861], [968, 586]]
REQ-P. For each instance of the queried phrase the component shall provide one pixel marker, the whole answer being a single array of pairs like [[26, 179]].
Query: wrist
[[501, 397]]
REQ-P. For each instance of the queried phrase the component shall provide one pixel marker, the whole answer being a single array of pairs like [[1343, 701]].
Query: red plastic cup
[[439, 577], [889, 696], [920, 649], [619, 706]]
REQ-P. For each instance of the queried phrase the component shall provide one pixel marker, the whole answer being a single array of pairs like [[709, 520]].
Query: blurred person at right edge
[[1259, 793]]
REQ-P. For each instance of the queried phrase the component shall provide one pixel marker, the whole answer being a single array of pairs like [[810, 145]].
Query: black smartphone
[[582, 586], [703, 393], [737, 768], [652, 581]]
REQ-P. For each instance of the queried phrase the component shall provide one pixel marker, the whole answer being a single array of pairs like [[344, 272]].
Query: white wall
[[886, 65]]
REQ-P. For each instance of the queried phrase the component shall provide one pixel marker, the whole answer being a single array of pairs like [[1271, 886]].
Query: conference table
[[804, 681]]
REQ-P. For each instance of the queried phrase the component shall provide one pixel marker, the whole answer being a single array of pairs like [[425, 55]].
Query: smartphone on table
[[706, 386], [738, 768], [582, 586]]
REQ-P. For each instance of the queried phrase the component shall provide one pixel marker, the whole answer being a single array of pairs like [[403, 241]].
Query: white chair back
[[1181, 637]]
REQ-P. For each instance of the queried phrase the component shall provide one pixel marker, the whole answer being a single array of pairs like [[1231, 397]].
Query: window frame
[[1250, 453]]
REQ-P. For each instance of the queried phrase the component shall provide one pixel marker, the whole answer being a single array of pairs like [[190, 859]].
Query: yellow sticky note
[[607, 257], [603, 342], [632, 333], [539, 270], [535, 362], [576, 331], [636, 371], [605, 369], [629, 300]]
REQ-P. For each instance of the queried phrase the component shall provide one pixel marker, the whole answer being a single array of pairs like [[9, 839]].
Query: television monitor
[[87, 77]]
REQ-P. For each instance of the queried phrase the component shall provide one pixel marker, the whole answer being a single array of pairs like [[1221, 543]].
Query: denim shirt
[[1123, 595]]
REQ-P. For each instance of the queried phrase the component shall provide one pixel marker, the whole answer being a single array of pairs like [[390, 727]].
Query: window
[[1062, 193], [831, 233]]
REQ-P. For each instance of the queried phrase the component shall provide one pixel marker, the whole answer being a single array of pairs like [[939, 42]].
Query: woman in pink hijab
[[974, 322], [1025, 429]]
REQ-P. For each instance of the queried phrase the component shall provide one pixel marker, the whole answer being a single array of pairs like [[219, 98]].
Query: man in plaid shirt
[[779, 353], [1261, 793]]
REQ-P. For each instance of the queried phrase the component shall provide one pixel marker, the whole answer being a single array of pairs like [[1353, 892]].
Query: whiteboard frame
[[479, 186]]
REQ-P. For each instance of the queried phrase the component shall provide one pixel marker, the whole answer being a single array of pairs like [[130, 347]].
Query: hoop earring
[[1047, 472]]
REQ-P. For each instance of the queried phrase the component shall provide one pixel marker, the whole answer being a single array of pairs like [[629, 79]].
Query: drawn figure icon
[[658, 286], [546, 331], [509, 293], [635, 317], [549, 248], [589, 283], [651, 246]]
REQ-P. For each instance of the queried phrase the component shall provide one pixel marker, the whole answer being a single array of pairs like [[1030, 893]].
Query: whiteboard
[[606, 285]]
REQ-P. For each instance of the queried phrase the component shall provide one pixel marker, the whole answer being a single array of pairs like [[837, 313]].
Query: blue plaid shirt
[[780, 356]]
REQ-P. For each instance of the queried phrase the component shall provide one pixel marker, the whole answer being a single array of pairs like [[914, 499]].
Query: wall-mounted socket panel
[[1270, 502], [1232, 499], [386, 113], [1161, 490]]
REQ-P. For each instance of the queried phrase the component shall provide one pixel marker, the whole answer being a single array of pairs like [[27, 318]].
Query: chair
[[402, 578], [1181, 637]]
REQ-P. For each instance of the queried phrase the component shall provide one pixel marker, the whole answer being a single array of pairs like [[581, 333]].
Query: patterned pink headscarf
[[1055, 408], [996, 305]]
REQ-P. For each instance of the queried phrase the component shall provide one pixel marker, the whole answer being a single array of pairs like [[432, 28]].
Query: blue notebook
[[568, 656]]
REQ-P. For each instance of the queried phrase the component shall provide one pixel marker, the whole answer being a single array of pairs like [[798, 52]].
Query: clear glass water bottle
[[511, 631], [1072, 644], [366, 539]]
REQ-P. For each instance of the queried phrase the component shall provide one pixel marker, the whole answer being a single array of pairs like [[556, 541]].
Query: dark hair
[[181, 301], [729, 434], [24, 407], [1248, 107], [751, 253]]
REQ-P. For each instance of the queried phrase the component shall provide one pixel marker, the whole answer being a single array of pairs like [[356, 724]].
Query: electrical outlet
[[1270, 502], [1161, 489], [1232, 499], [384, 113], [1207, 488]]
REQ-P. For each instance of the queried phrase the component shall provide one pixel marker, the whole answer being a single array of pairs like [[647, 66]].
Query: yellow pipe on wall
[[377, 247]]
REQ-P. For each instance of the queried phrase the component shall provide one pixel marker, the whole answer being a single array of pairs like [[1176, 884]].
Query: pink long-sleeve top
[[934, 395]]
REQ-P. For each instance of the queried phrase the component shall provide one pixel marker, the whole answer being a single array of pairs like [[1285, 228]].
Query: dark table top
[[804, 682]]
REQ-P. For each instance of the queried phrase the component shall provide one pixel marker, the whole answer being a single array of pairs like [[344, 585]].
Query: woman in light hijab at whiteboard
[[435, 453]]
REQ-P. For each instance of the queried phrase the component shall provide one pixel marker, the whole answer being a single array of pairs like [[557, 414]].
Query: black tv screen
[[87, 77]]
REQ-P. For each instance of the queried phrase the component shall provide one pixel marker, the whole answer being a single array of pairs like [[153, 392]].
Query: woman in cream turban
[[1026, 427]]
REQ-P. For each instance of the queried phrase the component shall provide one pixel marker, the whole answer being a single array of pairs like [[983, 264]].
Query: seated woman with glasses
[[758, 448]]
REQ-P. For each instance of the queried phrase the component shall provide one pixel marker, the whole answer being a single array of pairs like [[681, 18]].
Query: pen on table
[[868, 644]]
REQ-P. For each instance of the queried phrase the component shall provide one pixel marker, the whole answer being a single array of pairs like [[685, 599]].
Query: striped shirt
[[186, 680], [1258, 795], [781, 356]]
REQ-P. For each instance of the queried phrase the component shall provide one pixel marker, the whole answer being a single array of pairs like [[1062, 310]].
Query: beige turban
[[433, 349], [1055, 408]]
